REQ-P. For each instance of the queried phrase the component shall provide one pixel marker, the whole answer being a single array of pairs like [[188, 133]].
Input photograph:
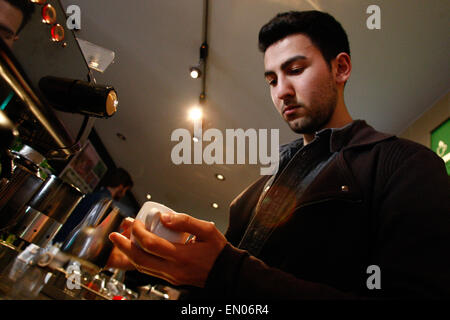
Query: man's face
[[121, 192], [10, 21], [301, 84]]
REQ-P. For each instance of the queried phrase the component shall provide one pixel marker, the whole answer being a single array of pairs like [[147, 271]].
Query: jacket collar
[[356, 134]]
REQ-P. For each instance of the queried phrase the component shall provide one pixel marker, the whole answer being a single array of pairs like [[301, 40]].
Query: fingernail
[[117, 234], [166, 217], [129, 219]]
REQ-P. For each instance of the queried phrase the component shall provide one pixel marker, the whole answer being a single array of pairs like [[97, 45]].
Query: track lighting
[[195, 72]]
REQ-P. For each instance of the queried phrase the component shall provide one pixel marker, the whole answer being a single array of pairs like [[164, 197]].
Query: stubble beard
[[319, 113]]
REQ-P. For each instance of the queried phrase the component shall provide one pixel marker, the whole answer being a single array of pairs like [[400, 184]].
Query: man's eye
[[6, 35], [296, 70]]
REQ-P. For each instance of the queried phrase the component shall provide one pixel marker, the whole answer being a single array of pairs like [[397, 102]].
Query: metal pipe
[[204, 56], [16, 80]]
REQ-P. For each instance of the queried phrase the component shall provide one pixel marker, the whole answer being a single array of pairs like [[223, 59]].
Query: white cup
[[150, 214]]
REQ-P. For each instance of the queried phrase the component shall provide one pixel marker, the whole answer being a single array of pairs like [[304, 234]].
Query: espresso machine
[[34, 201]]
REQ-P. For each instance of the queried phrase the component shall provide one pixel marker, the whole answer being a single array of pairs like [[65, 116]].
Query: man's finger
[[151, 243], [125, 226], [117, 259], [184, 223], [142, 261]]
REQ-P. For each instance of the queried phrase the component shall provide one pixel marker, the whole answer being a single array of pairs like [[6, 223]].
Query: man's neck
[[340, 119]]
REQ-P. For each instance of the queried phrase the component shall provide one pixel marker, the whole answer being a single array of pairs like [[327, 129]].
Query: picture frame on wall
[[85, 170], [440, 142]]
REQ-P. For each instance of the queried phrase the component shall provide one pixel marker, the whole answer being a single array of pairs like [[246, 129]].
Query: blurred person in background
[[114, 186]]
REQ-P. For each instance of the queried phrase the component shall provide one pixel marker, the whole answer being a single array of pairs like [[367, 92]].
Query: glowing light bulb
[[94, 64], [195, 113], [195, 72]]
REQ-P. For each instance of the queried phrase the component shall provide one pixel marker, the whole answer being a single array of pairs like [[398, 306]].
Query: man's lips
[[288, 110]]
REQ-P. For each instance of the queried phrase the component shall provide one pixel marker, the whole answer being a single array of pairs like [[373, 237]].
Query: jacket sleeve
[[412, 242], [238, 275]]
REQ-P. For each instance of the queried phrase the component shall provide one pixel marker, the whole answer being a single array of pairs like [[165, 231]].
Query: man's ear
[[342, 66]]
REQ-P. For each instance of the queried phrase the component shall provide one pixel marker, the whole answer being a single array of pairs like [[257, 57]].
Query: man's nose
[[285, 89]]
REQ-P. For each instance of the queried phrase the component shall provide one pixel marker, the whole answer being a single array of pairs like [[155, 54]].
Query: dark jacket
[[382, 201]]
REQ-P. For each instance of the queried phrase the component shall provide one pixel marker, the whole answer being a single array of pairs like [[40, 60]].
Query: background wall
[[419, 131]]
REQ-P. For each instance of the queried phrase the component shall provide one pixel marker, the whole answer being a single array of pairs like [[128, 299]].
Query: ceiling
[[399, 71]]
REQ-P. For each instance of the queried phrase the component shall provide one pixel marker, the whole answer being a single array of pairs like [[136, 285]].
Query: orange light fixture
[[57, 33], [48, 14]]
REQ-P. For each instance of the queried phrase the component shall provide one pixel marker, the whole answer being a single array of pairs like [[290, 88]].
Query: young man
[[14, 15], [351, 212]]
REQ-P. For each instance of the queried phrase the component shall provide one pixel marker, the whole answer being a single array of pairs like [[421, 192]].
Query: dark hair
[[324, 31], [118, 177], [27, 8]]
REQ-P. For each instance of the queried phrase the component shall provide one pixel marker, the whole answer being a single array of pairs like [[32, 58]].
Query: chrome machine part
[[47, 211], [8, 133], [36, 227], [14, 195], [89, 242]]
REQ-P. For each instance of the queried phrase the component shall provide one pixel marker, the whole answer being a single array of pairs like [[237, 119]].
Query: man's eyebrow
[[285, 64], [290, 60]]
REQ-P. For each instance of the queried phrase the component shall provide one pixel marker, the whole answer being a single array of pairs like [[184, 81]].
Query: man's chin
[[302, 126]]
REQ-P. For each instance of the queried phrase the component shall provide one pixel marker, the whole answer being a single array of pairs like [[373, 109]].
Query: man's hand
[[117, 259], [179, 264]]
